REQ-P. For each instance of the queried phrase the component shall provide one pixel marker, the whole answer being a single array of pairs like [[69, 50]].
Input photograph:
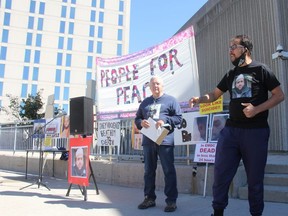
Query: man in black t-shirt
[[246, 132]]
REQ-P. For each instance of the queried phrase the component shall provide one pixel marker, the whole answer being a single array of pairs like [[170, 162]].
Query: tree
[[25, 109], [31, 107]]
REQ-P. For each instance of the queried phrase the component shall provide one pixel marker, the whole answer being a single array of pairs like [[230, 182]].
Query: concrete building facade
[[265, 21], [52, 45]]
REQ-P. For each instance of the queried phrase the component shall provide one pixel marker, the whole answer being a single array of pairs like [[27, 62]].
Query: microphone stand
[[39, 180]]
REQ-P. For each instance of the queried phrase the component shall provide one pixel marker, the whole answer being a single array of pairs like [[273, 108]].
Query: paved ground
[[112, 200]]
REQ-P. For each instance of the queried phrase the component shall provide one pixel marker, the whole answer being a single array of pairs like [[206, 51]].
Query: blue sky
[[153, 21]]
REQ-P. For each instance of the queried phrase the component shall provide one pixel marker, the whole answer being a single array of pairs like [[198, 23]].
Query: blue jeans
[[166, 156], [234, 144]]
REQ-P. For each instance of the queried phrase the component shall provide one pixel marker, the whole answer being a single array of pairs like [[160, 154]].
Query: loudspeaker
[[81, 116]]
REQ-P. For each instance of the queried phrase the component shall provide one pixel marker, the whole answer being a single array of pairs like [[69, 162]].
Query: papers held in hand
[[156, 134]]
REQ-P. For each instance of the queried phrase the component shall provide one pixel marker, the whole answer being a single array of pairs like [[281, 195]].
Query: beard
[[240, 60]]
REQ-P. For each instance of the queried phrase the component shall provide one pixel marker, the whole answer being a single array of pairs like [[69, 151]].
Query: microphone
[[62, 113]]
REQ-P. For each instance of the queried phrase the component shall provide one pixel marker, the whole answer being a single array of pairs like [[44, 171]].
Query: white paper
[[156, 135]]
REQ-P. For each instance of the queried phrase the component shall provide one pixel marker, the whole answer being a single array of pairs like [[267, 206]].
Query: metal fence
[[19, 137]]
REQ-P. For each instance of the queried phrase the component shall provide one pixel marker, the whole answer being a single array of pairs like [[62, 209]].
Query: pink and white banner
[[122, 82]]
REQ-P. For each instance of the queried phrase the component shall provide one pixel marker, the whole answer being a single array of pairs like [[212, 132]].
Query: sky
[[154, 21]]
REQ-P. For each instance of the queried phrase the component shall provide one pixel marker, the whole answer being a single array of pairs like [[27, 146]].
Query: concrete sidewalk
[[111, 201]]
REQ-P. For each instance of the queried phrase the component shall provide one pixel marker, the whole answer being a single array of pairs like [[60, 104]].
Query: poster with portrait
[[65, 127], [78, 162], [217, 124], [192, 130], [136, 138]]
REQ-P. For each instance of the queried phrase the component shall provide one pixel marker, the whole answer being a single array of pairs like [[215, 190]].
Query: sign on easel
[[78, 162]]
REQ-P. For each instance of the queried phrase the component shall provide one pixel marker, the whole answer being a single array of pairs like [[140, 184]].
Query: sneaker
[[171, 207], [147, 203]]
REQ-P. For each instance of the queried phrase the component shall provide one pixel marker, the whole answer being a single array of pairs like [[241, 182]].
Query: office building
[[52, 45]]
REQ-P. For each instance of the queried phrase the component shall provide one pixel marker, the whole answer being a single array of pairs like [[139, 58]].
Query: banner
[[123, 82]]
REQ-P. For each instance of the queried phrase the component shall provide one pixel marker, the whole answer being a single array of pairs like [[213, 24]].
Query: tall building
[[52, 45]]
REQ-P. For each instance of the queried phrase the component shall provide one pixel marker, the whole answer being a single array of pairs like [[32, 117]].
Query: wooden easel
[[83, 189]]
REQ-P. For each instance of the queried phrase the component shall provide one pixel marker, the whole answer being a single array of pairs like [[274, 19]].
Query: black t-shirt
[[248, 84]]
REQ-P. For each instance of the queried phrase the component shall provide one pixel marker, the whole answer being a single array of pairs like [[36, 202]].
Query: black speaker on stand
[[81, 123], [81, 116]]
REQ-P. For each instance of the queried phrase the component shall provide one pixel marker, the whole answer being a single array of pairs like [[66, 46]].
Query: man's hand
[[145, 123], [159, 124], [193, 101], [249, 110]]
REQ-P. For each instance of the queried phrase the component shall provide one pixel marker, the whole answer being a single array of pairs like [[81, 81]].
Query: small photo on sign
[[217, 124], [200, 130]]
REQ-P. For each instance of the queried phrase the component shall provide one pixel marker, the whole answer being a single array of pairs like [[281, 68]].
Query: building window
[[63, 11], [67, 76], [37, 57], [69, 43], [120, 35], [68, 60], [93, 16], [56, 92], [3, 53], [93, 4], [59, 59], [90, 46], [6, 19], [92, 31], [8, 4], [62, 27], [99, 47], [89, 61], [102, 3], [27, 56], [35, 73], [32, 6], [1, 88], [101, 17], [2, 70], [34, 89], [65, 107], [5, 35], [71, 28], [120, 20], [29, 39], [73, 1], [25, 73], [72, 13], [40, 24], [42, 8], [38, 40], [30, 22], [60, 42], [121, 6], [58, 76], [88, 76], [66, 93], [119, 49], [24, 90], [100, 32]]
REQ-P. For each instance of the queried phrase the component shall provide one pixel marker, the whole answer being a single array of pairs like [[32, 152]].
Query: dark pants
[[166, 155], [234, 144]]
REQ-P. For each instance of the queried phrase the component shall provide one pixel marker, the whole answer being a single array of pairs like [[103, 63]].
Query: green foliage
[[29, 108]]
